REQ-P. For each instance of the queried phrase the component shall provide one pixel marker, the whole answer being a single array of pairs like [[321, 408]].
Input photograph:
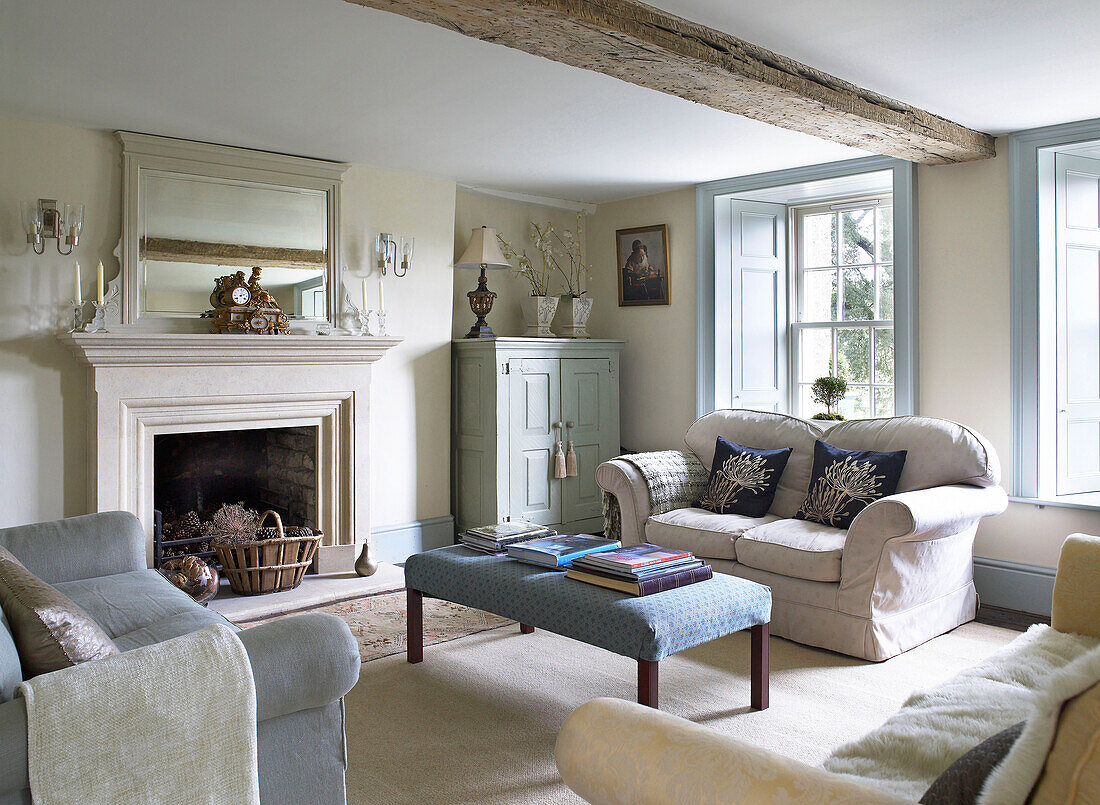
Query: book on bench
[[657, 583], [560, 550]]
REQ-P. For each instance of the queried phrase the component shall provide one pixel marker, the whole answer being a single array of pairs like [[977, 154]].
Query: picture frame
[[643, 265]]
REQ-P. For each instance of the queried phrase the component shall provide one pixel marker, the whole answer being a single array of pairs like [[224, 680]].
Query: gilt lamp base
[[481, 303]]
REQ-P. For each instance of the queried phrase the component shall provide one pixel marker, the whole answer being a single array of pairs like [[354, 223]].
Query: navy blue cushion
[[743, 480], [844, 482]]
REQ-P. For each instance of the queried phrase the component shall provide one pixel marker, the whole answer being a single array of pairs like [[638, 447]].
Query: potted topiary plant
[[828, 391]]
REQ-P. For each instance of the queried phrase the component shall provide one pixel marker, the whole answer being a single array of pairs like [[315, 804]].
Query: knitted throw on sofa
[[675, 479]]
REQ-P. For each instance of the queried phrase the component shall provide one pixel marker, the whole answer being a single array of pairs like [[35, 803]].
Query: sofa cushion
[[705, 533], [845, 482], [50, 631], [939, 452], [743, 479], [768, 431], [126, 603], [799, 548], [11, 671], [1073, 765]]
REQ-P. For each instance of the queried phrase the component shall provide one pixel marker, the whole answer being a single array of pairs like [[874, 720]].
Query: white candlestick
[[76, 285], [366, 305], [99, 283], [381, 303]]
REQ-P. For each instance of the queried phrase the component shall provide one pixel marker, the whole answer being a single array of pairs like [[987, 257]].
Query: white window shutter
[[1077, 213]]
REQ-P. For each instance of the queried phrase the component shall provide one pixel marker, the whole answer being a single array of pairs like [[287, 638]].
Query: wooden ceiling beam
[[648, 47]]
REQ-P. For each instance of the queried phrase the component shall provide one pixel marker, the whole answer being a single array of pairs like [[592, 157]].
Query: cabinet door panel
[[590, 403], [534, 401]]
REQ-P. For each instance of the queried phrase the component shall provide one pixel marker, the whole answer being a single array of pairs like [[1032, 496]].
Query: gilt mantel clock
[[243, 306]]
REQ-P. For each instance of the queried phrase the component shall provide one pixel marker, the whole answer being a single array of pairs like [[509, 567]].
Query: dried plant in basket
[[234, 524]]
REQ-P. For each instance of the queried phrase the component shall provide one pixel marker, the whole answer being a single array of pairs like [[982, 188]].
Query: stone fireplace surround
[[141, 385]]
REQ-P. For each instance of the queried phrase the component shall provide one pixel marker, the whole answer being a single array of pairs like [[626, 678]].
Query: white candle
[[76, 285], [381, 304], [99, 283], [366, 305]]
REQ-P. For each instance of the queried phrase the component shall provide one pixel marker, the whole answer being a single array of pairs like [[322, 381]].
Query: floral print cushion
[[844, 482], [743, 480]]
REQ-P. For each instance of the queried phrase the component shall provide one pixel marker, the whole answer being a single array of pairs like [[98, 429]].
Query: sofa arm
[[79, 547], [881, 544], [613, 752], [15, 778], [301, 662], [1076, 606], [626, 484]]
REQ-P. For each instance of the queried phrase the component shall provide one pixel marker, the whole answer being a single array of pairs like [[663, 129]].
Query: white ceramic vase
[[575, 311], [538, 313]]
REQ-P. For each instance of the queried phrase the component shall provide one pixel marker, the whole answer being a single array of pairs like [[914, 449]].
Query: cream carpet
[[476, 721]]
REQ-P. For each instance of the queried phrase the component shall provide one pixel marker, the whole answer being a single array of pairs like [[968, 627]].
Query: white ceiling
[[324, 78]]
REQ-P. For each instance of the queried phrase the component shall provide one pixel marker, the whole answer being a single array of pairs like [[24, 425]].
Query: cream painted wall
[[658, 362], [964, 332], [510, 219], [42, 390]]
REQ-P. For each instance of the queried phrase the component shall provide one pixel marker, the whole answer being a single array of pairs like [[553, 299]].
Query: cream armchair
[[903, 572], [613, 752]]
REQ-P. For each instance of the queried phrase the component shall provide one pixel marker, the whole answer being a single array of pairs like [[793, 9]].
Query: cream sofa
[[614, 752], [903, 572]]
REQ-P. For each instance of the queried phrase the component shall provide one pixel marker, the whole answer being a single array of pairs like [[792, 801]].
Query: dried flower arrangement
[[555, 249], [234, 524]]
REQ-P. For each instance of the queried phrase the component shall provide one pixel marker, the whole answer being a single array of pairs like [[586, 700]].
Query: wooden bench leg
[[647, 683], [415, 613], [760, 665], [523, 627]]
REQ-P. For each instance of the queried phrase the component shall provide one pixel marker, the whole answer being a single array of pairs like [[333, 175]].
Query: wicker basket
[[267, 566]]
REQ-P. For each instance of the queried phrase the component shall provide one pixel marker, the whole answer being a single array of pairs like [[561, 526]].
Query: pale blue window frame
[[906, 367], [1023, 164]]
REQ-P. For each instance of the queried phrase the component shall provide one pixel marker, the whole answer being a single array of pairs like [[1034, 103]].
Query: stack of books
[[493, 539], [641, 569], [561, 550]]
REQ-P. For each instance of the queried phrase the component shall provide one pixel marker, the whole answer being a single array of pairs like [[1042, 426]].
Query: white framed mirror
[[193, 212]]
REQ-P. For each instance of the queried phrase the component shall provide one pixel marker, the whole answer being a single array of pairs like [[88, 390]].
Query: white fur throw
[[168, 723], [1025, 681]]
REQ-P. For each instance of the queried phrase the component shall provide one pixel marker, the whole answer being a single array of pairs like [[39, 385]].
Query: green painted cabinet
[[514, 400]]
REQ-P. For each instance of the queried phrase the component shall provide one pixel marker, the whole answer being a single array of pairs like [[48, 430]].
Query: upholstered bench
[[646, 629]]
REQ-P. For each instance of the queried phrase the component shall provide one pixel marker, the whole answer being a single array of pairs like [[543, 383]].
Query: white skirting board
[[396, 543], [1014, 585]]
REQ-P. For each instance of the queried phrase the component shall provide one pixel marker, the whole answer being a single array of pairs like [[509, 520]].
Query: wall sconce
[[389, 247], [44, 220]]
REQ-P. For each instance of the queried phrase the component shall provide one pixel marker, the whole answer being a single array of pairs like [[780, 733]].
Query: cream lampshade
[[484, 253]]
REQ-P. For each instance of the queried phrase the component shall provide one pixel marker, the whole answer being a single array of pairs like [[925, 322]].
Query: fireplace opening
[[194, 474]]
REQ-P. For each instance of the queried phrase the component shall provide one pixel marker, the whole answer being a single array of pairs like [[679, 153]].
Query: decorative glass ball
[[192, 575]]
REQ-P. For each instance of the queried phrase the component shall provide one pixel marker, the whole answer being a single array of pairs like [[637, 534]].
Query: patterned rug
[[378, 622]]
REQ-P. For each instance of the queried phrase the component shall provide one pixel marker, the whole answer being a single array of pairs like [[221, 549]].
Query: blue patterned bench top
[[644, 628]]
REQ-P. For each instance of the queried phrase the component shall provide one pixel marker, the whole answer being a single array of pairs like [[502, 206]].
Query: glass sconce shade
[[31, 216], [74, 221], [407, 245]]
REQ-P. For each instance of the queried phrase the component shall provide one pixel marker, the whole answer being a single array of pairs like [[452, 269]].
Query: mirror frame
[[142, 152]]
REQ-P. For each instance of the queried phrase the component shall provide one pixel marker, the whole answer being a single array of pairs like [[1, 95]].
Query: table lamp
[[482, 252]]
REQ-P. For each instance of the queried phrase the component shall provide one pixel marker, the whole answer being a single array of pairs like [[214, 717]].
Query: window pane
[[819, 295], [859, 293], [807, 406], [884, 400], [819, 240], [854, 353], [884, 218], [856, 403], [886, 292], [884, 355], [857, 244], [816, 356]]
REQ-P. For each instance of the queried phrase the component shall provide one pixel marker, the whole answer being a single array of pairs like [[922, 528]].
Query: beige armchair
[[613, 752], [903, 572]]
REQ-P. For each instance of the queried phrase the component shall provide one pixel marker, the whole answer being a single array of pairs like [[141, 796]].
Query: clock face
[[258, 322], [240, 296]]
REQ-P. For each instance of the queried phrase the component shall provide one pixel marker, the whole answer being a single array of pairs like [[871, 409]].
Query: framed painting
[[643, 265]]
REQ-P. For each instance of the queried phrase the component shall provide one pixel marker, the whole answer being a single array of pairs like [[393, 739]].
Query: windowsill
[[1088, 501]]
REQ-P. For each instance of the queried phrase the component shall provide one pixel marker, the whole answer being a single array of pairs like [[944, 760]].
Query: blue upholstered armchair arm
[[300, 663], [79, 547]]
